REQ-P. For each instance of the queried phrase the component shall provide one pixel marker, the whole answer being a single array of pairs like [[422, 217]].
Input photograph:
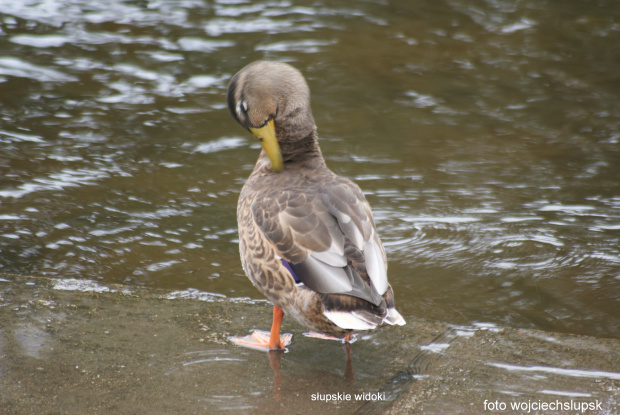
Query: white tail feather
[[394, 317], [354, 321], [347, 320]]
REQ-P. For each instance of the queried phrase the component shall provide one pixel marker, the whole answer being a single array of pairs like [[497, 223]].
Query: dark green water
[[484, 133]]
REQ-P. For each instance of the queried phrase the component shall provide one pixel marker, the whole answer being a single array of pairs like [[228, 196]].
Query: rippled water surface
[[485, 134]]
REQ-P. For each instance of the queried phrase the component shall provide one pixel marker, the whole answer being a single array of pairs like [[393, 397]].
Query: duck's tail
[[394, 317]]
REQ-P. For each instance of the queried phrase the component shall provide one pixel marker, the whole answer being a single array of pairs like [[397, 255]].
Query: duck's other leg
[[263, 340], [349, 338]]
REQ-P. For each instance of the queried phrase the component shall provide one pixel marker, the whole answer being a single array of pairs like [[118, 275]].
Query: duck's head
[[272, 101]]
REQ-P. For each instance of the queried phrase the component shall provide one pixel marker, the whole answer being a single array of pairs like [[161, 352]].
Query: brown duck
[[307, 237]]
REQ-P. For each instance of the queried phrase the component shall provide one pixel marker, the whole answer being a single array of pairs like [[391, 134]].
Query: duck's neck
[[306, 149]]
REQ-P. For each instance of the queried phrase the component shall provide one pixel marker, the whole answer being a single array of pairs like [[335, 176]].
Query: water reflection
[[484, 134]]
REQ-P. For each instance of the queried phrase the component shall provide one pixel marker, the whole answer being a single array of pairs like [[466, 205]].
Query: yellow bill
[[267, 137]]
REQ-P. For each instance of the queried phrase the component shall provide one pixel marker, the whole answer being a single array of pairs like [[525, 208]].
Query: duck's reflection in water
[[275, 360], [349, 376]]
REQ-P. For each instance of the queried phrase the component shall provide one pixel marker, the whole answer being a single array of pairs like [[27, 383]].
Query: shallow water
[[127, 349], [485, 135]]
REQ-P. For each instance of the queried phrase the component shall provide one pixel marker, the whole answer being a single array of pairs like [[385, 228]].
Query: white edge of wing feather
[[376, 266]]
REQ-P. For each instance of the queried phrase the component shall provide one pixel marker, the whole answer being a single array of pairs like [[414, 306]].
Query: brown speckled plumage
[[318, 222]]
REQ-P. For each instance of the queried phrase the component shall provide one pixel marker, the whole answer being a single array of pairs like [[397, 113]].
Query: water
[[485, 135]]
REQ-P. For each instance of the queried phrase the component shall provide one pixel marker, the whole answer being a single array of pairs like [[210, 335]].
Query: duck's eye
[[242, 108]]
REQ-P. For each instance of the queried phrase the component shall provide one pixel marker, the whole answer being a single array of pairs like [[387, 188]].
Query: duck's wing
[[326, 233]]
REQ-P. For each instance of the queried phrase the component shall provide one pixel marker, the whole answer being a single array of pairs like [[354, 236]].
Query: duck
[[307, 238]]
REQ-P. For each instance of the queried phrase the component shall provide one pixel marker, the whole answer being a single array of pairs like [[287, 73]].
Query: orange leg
[[262, 340], [274, 338]]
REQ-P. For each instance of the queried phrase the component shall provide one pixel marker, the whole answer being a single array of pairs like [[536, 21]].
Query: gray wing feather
[[322, 277], [327, 279], [330, 258]]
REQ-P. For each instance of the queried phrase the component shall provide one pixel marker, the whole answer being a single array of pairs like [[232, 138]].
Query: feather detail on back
[[325, 234]]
